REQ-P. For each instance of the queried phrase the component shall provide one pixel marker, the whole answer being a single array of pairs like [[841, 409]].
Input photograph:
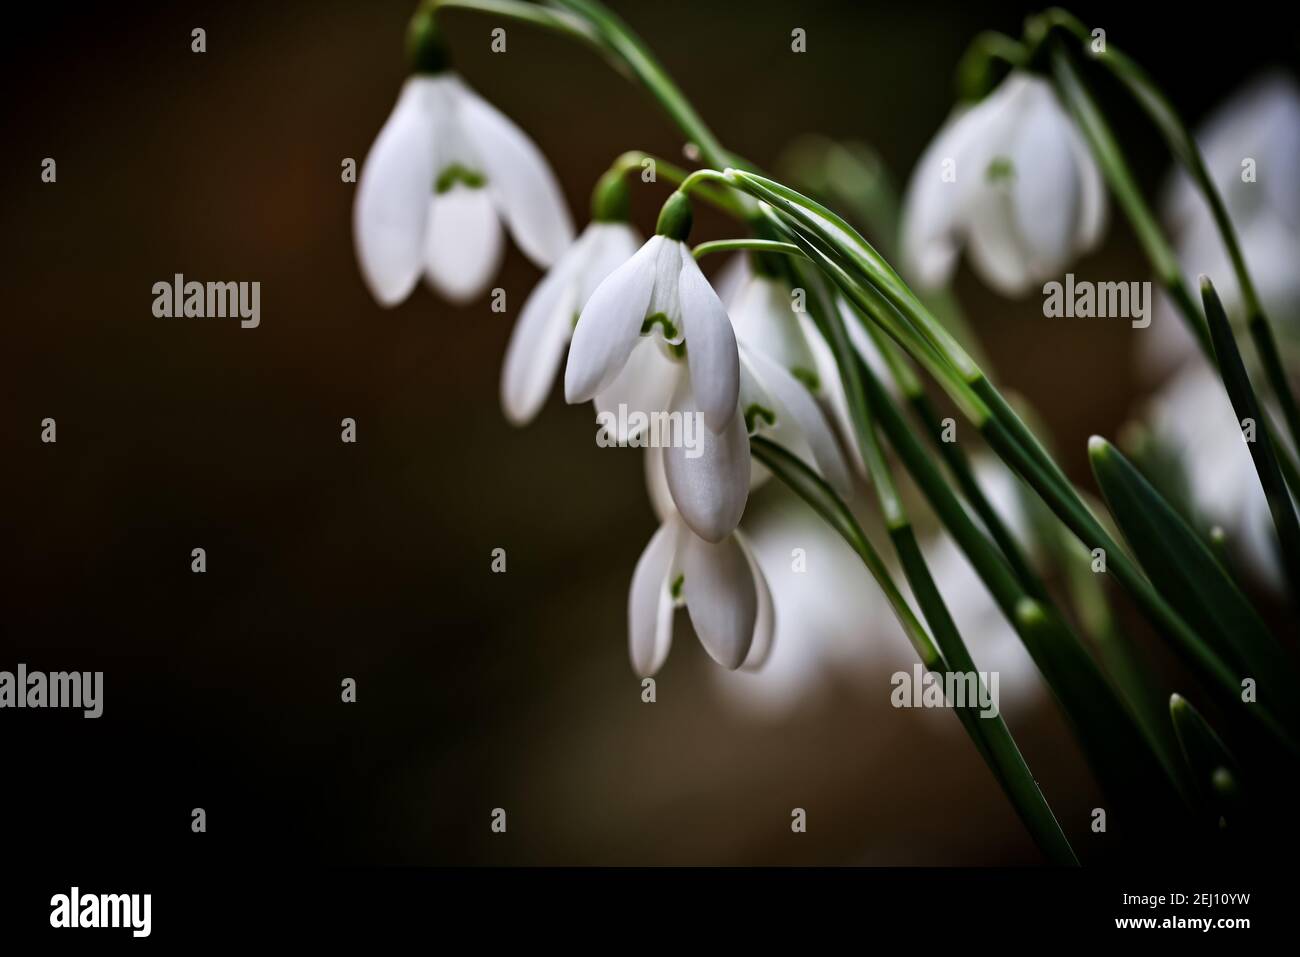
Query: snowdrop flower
[[659, 291], [552, 308], [710, 490], [445, 170], [628, 348], [720, 583], [1011, 179], [1260, 124]]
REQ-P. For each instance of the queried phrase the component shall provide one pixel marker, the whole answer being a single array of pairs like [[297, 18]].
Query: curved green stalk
[[643, 65], [557, 21], [753, 245], [991, 736], [723, 200]]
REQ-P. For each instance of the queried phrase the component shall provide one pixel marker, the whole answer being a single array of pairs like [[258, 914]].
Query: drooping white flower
[[710, 489], [546, 322], [720, 583], [1010, 179], [659, 291], [1251, 149], [446, 169]]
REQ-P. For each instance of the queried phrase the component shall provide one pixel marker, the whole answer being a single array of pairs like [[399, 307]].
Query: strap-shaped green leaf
[[1184, 570], [1233, 372]]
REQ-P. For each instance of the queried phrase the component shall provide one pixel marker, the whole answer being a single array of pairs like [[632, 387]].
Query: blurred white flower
[[833, 621], [1193, 417], [445, 169], [721, 585], [550, 312], [768, 324], [1251, 148], [1011, 179]]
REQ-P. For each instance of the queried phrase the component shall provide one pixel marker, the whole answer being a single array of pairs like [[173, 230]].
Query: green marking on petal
[[807, 377], [1001, 168], [670, 330], [675, 589], [456, 173], [755, 412]]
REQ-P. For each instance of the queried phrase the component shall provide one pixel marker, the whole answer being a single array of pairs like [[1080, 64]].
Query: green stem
[[557, 21], [994, 741], [724, 200], [754, 245], [643, 65], [1110, 157]]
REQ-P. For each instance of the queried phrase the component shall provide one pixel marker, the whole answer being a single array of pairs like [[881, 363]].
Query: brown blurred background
[[371, 561]]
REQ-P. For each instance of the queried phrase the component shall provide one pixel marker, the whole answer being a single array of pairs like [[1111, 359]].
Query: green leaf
[[1213, 768], [1232, 641], [1262, 452]]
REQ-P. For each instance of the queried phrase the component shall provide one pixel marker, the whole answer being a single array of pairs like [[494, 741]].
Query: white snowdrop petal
[[656, 483], [519, 177], [721, 598], [538, 339], [1093, 208], [650, 602], [931, 204], [765, 619], [464, 245], [765, 321], [1046, 189], [794, 400], [711, 349], [710, 489], [996, 250], [610, 326], [610, 246], [732, 278], [391, 211], [644, 387]]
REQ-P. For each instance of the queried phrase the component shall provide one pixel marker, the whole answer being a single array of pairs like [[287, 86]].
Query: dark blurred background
[[372, 561]]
